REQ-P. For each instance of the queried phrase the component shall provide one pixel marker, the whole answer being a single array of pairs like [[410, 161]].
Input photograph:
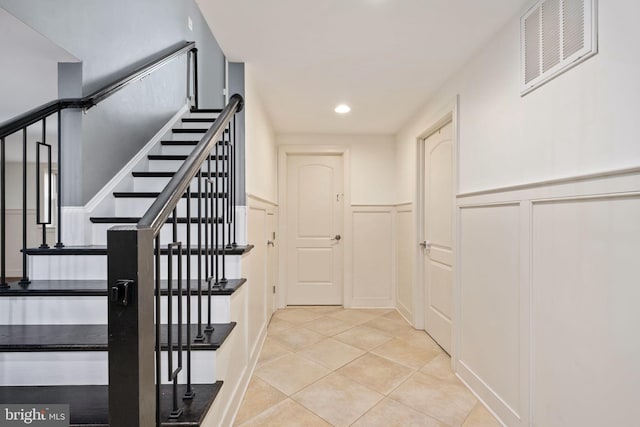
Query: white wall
[[261, 150], [372, 163], [542, 284]]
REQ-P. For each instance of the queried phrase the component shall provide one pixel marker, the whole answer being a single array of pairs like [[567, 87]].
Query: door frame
[[284, 152], [451, 113]]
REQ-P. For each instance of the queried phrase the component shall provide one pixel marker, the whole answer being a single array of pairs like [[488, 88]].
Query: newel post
[[132, 390]]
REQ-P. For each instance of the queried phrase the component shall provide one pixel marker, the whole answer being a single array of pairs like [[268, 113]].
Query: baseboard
[[506, 415], [241, 389], [364, 303], [405, 312]]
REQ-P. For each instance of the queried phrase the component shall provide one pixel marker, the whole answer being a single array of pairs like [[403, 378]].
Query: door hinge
[[274, 289]]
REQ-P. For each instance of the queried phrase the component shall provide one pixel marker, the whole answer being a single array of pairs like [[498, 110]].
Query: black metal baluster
[[172, 376], [200, 336], [158, 325], [233, 183], [39, 219], [218, 158], [3, 218], [225, 196], [38, 200], [25, 279], [207, 247], [214, 226], [195, 76], [44, 236], [59, 182], [228, 177], [189, 393]]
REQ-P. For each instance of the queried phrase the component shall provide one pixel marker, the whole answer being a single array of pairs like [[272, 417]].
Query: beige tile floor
[[326, 366]]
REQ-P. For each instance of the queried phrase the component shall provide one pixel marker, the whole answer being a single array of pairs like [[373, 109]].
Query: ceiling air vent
[[556, 35]]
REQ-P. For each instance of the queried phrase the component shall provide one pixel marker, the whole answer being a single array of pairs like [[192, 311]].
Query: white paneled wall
[[251, 309], [548, 285], [489, 315], [372, 256], [405, 259], [584, 298]]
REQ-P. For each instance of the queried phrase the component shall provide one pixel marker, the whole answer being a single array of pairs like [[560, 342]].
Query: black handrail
[[163, 205], [40, 114], [35, 115]]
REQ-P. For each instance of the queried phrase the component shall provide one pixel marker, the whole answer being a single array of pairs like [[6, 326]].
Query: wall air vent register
[[555, 36]]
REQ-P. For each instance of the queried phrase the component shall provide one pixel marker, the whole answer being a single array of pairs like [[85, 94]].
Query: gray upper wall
[[111, 38]]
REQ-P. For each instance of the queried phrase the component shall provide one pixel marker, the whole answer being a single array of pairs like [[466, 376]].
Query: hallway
[[323, 366]]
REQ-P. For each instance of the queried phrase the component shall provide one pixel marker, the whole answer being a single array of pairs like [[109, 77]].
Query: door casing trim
[[451, 113]]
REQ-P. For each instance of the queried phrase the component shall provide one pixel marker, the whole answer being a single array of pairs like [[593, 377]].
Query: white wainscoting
[[547, 315], [405, 259], [256, 297], [370, 262]]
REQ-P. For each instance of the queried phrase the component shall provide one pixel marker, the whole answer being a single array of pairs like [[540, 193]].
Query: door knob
[[426, 245], [270, 243], [337, 238]]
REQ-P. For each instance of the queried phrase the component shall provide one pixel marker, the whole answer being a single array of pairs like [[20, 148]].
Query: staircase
[[136, 332]]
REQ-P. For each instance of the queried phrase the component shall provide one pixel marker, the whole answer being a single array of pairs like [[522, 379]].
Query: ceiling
[[384, 58]]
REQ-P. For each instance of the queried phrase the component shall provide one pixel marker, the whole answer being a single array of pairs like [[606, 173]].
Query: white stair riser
[[157, 184], [186, 149], [99, 232], [93, 310], [187, 136], [83, 310], [202, 115], [220, 309], [87, 368], [65, 267], [196, 125], [90, 267], [138, 206], [181, 150], [166, 234], [174, 165]]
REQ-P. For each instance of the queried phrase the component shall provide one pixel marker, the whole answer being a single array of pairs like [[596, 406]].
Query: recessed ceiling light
[[342, 109]]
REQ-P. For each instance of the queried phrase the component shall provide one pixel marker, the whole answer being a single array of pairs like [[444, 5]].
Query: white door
[[314, 229], [437, 246]]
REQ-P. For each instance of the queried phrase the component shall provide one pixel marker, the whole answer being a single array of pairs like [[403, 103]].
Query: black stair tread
[[168, 174], [188, 143], [198, 120], [134, 220], [190, 130], [68, 250], [206, 110], [179, 157], [41, 338], [57, 288], [155, 194], [88, 404], [102, 250]]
